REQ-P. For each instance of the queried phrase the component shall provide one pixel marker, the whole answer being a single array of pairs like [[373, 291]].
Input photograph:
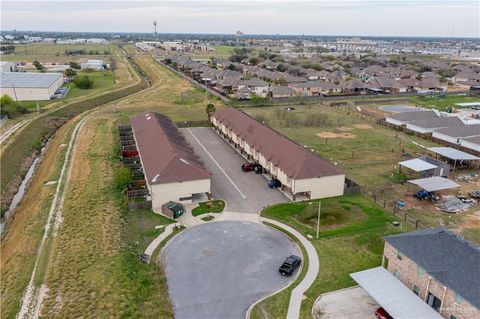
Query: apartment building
[[440, 268]]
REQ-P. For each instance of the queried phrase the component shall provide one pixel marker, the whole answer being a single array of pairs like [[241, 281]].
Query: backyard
[[370, 153], [350, 240]]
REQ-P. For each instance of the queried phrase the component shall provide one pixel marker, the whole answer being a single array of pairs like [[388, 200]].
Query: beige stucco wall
[[411, 277], [162, 193], [327, 186]]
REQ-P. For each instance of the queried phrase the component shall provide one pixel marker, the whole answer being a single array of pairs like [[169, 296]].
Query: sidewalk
[[313, 267], [154, 244]]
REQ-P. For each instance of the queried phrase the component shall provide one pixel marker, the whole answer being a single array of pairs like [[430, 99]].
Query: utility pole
[[318, 218]]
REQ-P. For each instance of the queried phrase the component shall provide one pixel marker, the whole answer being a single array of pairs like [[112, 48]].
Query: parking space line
[[216, 163]]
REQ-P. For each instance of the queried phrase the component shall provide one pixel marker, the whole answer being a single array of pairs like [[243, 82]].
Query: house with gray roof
[[439, 267], [454, 134], [401, 119], [282, 92]]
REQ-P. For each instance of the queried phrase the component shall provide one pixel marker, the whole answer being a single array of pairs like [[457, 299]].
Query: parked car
[[422, 195], [247, 167], [274, 183], [381, 313], [290, 265]]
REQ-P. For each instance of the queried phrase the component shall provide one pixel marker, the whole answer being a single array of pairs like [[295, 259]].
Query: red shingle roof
[[166, 156], [293, 159]]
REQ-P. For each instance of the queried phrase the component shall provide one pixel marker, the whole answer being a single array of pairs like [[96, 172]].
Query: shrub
[[83, 82], [10, 107], [123, 177]]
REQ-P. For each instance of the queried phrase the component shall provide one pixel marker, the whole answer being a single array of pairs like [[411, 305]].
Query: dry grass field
[[92, 268]]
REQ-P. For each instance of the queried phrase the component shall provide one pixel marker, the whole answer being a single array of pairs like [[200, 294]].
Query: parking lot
[[350, 303], [217, 270], [243, 191]]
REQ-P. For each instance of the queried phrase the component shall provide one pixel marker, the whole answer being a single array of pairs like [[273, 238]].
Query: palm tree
[[210, 110]]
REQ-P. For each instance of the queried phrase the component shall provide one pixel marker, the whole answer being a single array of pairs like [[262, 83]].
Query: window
[[420, 271], [399, 255], [416, 290], [458, 300], [396, 273]]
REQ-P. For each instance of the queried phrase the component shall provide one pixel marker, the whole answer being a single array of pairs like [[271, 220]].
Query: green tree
[[70, 72], [10, 107], [210, 109], [38, 66], [74, 65], [83, 82], [123, 177]]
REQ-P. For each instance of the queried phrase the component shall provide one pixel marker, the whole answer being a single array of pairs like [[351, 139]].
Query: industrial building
[[301, 172], [29, 86], [173, 172], [8, 66], [93, 65]]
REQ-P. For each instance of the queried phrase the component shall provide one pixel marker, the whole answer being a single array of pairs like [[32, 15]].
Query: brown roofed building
[[172, 169], [300, 171]]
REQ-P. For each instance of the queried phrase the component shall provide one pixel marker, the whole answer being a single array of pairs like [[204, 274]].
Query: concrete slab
[[350, 303], [218, 269], [244, 192]]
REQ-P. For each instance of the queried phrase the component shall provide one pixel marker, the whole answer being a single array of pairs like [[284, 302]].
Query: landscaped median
[[351, 231], [214, 206]]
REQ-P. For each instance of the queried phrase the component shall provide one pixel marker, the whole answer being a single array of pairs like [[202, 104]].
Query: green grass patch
[[351, 240], [215, 206], [208, 218], [442, 103]]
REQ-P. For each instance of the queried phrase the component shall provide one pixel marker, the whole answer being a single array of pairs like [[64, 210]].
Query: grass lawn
[[207, 218], [350, 240], [102, 80], [203, 207], [442, 103]]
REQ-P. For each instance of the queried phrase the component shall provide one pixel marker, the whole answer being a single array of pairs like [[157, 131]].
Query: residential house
[[438, 266], [386, 84], [255, 86], [316, 88], [283, 92]]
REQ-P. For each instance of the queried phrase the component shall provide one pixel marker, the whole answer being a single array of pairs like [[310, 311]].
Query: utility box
[[173, 209]]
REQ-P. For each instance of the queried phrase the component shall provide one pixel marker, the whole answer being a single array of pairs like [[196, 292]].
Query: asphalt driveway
[[243, 191], [217, 270]]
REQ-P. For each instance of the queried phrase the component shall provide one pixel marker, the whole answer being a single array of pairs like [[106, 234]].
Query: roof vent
[[154, 180], [148, 118]]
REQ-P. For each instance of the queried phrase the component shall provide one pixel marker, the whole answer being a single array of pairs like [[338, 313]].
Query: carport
[[435, 183], [399, 301], [453, 155], [419, 166]]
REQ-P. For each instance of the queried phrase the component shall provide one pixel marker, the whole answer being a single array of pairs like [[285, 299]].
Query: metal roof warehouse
[[30, 86]]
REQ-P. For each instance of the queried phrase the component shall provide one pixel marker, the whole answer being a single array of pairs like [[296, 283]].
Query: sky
[[444, 18]]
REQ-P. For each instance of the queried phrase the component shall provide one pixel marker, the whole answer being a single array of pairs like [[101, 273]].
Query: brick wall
[[411, 275]]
